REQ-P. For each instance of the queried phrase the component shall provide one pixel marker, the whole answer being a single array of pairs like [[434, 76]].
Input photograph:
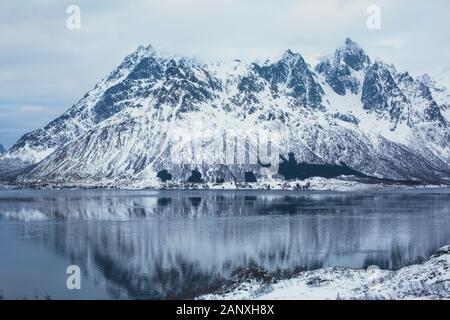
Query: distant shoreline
[[342, 184]]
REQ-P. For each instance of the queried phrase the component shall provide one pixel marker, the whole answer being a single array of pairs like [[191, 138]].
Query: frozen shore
[[430, 280], [342, 183]]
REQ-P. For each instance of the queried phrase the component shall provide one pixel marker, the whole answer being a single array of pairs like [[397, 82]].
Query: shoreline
[[340, 184], [429, 280]]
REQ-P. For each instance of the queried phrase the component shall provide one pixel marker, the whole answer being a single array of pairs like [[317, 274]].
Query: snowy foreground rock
[[430, 280]]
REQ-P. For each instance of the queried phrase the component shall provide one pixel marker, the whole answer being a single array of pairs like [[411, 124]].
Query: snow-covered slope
[[347, 111], [430, 280], [112, 94]]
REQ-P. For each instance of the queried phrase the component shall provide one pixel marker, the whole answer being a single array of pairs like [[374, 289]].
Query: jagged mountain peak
[[340, 69], [352, 46], [140, 52], [439, 89], [349, 42], [386, 93], [292, 76], [426, 78], [381, 66], [430, 81], [405, 77], [290, 55], [2, 149], [145, 48], [352, 55], [130, 61]]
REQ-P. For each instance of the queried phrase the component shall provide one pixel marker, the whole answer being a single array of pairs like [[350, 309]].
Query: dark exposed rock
[[250, 177], [164, 175], [196, 177], [290, 169]]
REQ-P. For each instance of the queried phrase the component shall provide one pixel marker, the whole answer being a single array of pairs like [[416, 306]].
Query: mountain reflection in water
[[178, 244]]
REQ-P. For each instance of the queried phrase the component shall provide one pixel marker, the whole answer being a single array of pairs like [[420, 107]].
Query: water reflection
[[180, 244]]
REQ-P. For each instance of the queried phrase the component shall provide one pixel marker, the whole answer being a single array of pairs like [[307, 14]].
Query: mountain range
[[348, 114]]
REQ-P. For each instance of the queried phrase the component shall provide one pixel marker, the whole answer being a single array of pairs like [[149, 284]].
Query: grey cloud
[[44, 64]]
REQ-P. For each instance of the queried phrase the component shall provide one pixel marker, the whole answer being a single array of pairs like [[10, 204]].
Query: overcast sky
[[46, 68]]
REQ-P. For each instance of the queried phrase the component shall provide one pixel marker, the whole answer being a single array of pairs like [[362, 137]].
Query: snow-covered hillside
[[430, 280], [349, 111]]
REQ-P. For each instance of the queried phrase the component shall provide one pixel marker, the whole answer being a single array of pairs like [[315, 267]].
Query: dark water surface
[[177, 244]]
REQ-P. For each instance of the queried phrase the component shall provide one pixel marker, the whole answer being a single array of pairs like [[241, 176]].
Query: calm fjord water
[[178, 244]]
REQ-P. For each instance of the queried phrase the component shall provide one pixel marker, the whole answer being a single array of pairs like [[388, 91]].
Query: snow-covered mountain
[[349, 113], [2, 149], [443, 77]]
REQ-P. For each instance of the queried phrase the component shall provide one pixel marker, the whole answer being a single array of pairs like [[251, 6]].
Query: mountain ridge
[[347, 109]]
